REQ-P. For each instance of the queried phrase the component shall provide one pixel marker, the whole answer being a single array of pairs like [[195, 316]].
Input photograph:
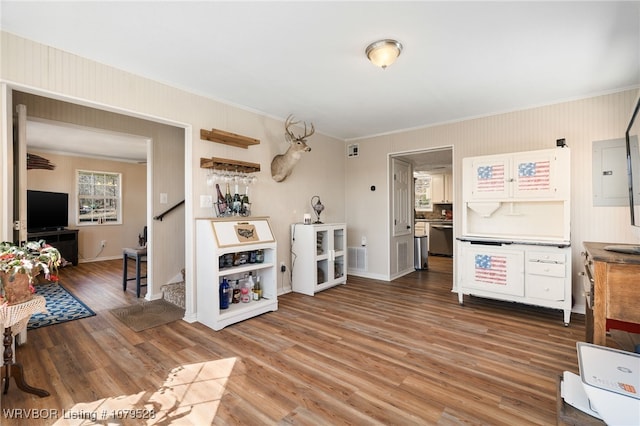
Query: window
[[99, 198], [423, 199]]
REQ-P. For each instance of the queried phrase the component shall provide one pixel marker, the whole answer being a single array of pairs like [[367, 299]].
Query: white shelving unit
[[221, 236], [319, 256]]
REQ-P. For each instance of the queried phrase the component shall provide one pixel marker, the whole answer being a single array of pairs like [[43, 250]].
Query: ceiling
[[53, 136], [460, 59]]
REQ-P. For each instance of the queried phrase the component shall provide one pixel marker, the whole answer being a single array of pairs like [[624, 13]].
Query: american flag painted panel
[[534, 176], [491, 269], [490, 178]]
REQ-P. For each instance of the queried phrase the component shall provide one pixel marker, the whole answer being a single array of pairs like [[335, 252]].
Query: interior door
[[402, 218], [20, 174], [402, 202]]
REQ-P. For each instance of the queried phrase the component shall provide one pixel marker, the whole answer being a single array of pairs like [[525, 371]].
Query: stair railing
[[163, 214]]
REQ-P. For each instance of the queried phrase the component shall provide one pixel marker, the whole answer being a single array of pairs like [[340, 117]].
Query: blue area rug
[[62, 306]]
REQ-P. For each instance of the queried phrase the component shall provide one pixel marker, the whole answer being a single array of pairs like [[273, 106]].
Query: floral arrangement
[[32, 259]]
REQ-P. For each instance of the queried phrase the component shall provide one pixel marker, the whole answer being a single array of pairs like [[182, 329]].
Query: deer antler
[[290, 136]]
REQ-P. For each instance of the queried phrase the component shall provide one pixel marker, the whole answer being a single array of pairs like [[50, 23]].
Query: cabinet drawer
[[544, 287], [540, 256], [546, 269]]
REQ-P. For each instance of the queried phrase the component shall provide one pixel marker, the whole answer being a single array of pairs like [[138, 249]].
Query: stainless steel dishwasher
[[441, 239]]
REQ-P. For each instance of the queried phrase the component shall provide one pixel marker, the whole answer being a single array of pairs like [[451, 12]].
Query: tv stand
[[65, 240], [623, 248]]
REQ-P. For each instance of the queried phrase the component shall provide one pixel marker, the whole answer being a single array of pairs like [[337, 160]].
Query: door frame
[[6, 170], [406, 155]]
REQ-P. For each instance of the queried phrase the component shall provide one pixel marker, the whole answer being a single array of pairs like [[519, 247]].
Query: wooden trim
[[228, 138]]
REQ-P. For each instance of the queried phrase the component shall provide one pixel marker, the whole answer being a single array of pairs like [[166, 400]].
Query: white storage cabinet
[[221, 236], [532, 274], [516, 228], [532, 175], [318, 256]]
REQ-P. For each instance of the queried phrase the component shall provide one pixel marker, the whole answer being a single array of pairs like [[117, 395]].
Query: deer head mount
[[282, 164]]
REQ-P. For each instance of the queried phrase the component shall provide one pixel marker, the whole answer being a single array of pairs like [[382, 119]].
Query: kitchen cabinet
[[220, 239], [442, 188], [531, 274], [518, 196], [318, 257], [524, 175]]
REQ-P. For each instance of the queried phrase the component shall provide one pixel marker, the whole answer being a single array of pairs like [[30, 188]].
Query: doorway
[[432, 200], [174, 140]]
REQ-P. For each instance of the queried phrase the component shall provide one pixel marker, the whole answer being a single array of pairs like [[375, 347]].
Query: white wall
[[63, 179], [29, 65], [580, 122]]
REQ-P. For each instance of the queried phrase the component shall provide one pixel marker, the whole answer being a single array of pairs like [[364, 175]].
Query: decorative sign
[[230, 232], [246, 232]]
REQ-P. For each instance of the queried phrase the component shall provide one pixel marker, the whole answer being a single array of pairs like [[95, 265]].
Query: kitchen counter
[[439, 221]]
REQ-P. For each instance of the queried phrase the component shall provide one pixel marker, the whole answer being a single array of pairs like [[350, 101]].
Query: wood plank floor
[[369, 352]]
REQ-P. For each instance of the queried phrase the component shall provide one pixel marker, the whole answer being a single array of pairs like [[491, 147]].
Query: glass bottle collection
[[240, 290], [232, 205], [229, 260], [235, 204]]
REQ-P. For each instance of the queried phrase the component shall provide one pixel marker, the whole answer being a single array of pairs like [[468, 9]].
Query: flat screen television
[[47, 211], [633, 165], [633, 173]]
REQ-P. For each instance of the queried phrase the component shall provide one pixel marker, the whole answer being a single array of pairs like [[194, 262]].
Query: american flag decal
[[491, 269], [534, 176], [490, 178]]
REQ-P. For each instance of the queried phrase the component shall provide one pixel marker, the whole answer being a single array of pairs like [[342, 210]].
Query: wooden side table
[[612, 290], [14, 319]]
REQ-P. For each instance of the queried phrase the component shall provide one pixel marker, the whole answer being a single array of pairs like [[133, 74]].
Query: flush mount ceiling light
[[383, 53]]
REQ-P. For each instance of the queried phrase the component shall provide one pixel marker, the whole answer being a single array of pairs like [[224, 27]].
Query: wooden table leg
[[15, 370], [599, 304], [7, 357]]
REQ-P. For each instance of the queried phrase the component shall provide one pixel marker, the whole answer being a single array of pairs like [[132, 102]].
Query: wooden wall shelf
[[228, 138], [229, 165]]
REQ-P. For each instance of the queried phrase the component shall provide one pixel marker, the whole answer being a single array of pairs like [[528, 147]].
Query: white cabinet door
[[437, 191], [492, 270], [537, 175], [488, 177], [448, 188], [442, 188]]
